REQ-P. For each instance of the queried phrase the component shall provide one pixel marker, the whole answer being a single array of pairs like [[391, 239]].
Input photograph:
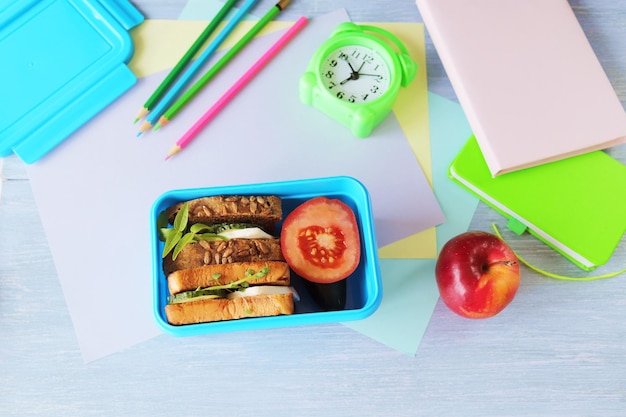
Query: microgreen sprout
[[179, 235], [219, 291]]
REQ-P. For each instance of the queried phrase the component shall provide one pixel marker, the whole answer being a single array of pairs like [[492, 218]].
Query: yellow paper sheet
[[411, 110], [159, 44]]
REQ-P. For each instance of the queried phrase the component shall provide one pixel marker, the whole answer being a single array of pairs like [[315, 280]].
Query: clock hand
[[351, 67], [372, 75], [353, 76], [356, 75]]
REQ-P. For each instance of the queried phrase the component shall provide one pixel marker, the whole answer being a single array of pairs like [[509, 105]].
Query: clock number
[[341, 71]]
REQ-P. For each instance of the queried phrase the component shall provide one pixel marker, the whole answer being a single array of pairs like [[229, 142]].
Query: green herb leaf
[[171, 241], [222, 227], [162, 224], [165, 232], [210, 237], [243, 282], [181, 244], [198, 293], [217, 291], [180, 221], [199, 227], [263, 272]]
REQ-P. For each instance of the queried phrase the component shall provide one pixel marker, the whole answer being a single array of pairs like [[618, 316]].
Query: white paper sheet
[[95, 191]]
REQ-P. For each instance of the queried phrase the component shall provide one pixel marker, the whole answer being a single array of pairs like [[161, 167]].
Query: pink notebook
[[527, 78]]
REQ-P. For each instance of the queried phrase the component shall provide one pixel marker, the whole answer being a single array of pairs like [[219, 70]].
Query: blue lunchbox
[[364, 285]]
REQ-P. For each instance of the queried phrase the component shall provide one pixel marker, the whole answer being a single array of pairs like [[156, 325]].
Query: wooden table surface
[[558, 350]]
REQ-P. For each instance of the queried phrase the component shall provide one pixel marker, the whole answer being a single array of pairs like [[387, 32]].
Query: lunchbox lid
[[64, 61]]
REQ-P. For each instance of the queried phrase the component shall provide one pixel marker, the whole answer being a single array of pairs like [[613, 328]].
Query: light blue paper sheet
[[409, 288]]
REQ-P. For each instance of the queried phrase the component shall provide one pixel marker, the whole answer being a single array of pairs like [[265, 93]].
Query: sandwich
[[223, 262], [229, 291]]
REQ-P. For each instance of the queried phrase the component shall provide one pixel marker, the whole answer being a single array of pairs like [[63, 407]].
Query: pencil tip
[[141, 114], [144, 127], [136, 120], [156, 127], [139, 133], [163, 121], [173, 152]]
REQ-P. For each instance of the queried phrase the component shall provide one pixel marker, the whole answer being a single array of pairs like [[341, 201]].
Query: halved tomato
[[320, 240]]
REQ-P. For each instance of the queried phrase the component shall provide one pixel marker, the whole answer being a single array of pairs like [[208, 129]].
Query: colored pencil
[[195, 67], [185, 59], [235, 88], [215, 69]]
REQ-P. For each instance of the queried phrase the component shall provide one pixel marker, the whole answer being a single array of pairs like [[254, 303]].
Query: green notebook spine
[[519, 225]]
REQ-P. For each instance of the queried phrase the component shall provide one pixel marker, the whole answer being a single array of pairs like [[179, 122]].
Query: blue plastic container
[[364, 286]]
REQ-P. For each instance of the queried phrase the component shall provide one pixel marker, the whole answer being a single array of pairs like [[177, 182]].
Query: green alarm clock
[[355, 76]]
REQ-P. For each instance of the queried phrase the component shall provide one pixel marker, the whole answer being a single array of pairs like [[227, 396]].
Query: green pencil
[[187, 57], [215, 69]]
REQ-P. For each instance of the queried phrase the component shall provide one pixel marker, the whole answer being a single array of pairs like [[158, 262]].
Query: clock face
[[355, 74]]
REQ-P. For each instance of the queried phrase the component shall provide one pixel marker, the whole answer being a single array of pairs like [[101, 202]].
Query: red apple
[[477, 274]]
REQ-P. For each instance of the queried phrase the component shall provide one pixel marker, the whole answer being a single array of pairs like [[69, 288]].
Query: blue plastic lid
[[65, 62]]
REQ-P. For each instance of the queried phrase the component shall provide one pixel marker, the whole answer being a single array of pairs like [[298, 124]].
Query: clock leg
[[363, 123], [307, 82]]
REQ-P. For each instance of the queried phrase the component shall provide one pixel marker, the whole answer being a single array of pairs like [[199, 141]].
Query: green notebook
[[576, 205]]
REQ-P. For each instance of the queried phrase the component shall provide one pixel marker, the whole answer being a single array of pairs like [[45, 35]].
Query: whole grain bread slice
[[202, 253], [264, 211]]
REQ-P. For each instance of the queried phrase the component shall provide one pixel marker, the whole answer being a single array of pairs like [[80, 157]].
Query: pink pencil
[[232, 91]]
